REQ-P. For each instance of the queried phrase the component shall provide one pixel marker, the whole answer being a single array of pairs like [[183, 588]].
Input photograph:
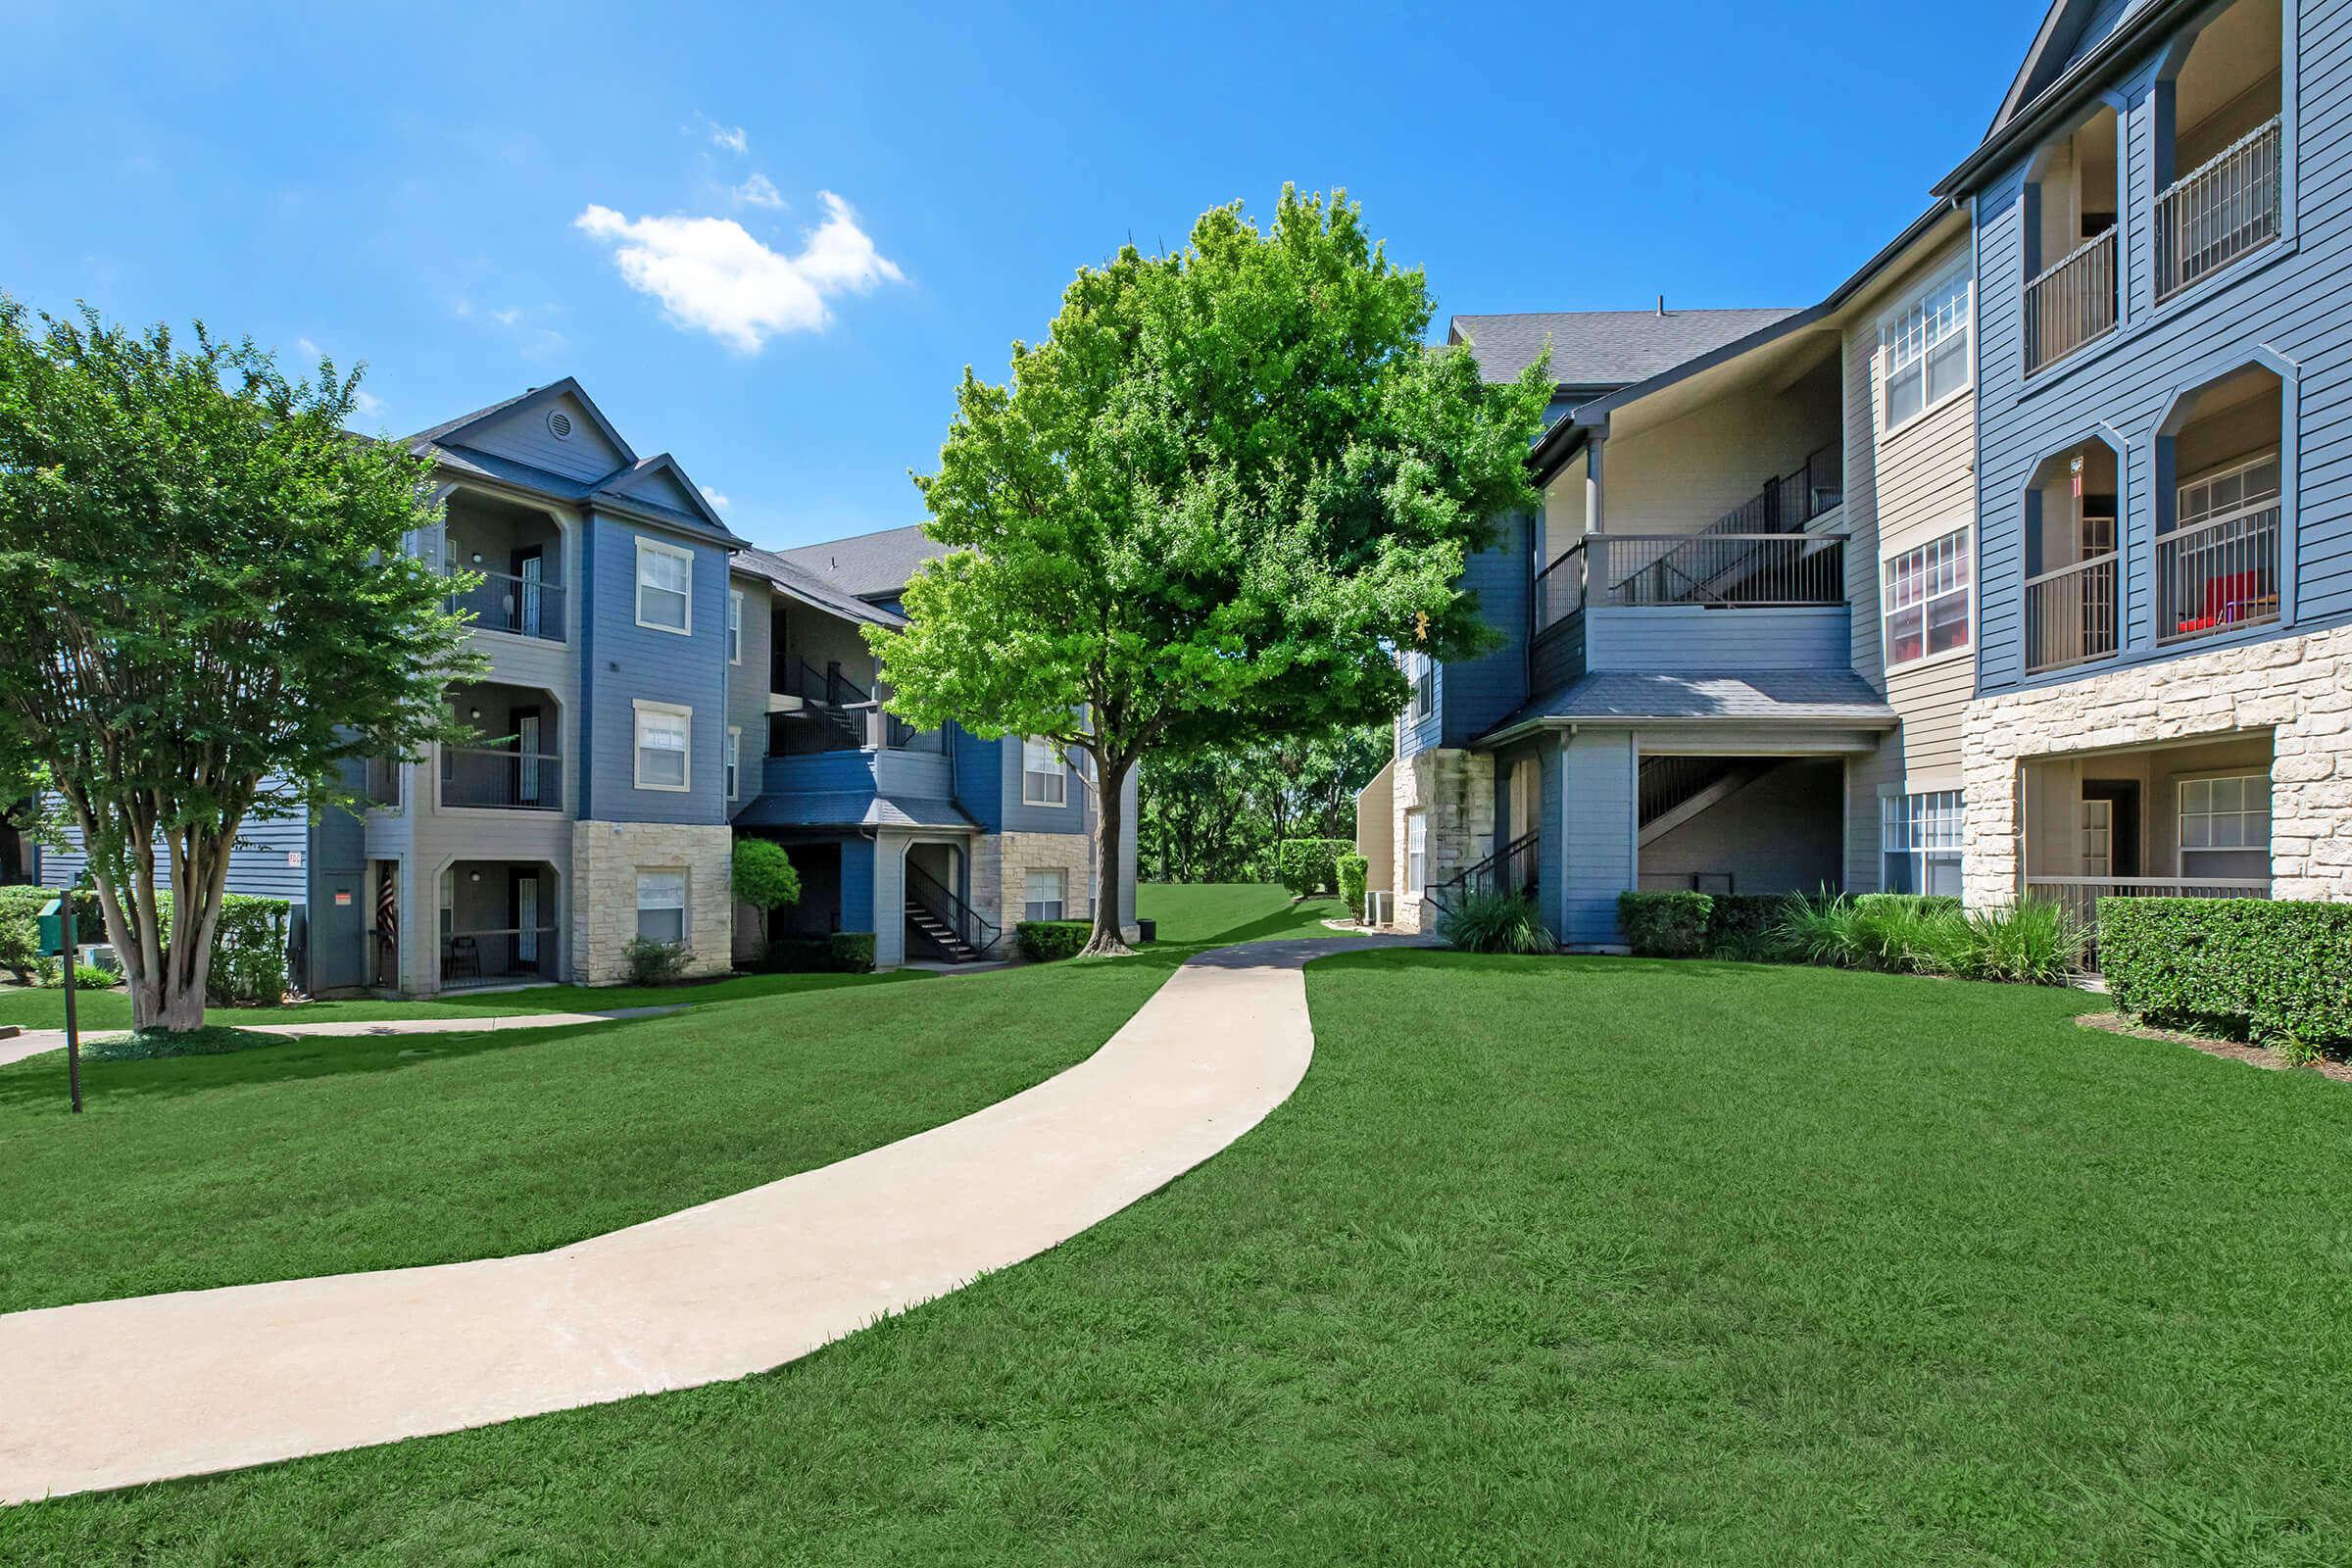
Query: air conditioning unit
[[100, 955]]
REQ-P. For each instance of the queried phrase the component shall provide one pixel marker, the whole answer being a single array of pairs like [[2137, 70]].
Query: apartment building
[[654, 686]]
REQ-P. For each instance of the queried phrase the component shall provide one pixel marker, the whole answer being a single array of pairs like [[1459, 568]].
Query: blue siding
[[1694, 638], [1474, 693], [258, 864], [1596, 837], [623, 662], [1558, 656], [979, 777], [2286, 305], [857, 885]]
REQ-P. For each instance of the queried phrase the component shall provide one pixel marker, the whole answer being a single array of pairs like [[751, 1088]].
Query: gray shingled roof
[[872, 566], [851, 809], [1602, 348], [810, 589], [1768, 696]]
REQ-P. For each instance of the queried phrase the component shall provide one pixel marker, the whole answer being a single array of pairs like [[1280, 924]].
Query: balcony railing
[[1713, 570], [523, 605], [513, 955], [2070, 615], [2224, 208], [2071, 302], [1789, 501], [482, 775], [2217, 574]]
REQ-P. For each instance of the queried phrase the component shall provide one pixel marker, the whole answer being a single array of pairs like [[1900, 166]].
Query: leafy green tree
[[764, 878], [1218, 813], [204, 613], [1208, 507]]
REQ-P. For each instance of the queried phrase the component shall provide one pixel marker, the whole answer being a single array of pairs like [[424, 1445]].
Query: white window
[[1922, 352], [662, 905], [1416, 852], [1423, 672], [664, 738], [2247, 484], [1920, 837], [734, 763], [664, 587], [1044, 780], [1045, 895], [2226, 813], [1926, 600], [734, 625]]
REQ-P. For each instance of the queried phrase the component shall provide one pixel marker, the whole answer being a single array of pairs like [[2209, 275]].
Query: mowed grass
[[324, 1155], [1205, 913], [1548, 1262]]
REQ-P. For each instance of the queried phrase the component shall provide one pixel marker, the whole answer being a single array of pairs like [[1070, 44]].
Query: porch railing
[[1509, 869], [2216, 211], [1746, 570], [2082, 894], [526, 607], [2070, 615], [2071, 302], [2217, 574], [974, 929], [523, 781], [508, 955]]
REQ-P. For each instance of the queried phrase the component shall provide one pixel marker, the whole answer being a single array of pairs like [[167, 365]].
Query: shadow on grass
[[1281, 923], [39, 1082]]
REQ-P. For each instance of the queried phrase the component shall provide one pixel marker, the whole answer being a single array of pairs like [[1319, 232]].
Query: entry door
[[527, 919], [2115, 801], [531, 567], [527, 746]]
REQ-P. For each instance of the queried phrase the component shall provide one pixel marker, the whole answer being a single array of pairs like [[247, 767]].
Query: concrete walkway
[[33, 1042], [117, 1393]]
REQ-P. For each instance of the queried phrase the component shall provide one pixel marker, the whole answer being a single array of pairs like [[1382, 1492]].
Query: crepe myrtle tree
[[1209, 508], [204, 613]]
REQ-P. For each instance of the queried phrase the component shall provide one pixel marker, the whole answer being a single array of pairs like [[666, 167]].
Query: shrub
[[1355, 872], [1043, 941], [764, 877], [1665, 925], [1309, 865], [2035, 941], [1916, 903], [841, 953], [249, 953], [89, 977], [851, 951], [2270, 971], [1495, 922], [651, 962], [1744, 926]]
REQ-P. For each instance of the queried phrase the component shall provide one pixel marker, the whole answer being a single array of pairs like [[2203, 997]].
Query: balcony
[[519, 606], [1706, 571], [2219, 575], [502, 778], [499, 924], [2071, 304], [2070, 615], [2218, 212]]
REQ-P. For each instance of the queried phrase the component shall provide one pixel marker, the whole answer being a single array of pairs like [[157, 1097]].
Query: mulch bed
[[2115, 1023]]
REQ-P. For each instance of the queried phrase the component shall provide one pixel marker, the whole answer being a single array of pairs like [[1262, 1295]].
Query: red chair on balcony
[[2229, 600]]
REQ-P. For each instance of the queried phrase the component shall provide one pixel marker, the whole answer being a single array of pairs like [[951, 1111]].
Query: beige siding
[[1680, 476], [1931, 697]]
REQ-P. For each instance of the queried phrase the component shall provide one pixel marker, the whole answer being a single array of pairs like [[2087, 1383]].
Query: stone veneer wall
[[1002, 862], [1456, 790], [2300, 687], [605, 857]]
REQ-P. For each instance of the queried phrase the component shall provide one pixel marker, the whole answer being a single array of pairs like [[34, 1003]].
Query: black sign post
[[65, 925]]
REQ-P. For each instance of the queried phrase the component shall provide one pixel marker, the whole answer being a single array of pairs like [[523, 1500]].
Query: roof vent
[[1661, 304], [559, 424]]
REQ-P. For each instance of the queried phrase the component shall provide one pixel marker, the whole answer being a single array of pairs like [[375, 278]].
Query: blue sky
[[482, 199]]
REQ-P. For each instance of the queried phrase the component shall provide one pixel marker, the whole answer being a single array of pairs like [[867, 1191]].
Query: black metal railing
[[508, 955], [1789, 501], [2070, 302], [1514, 868], [2216, 211], [1750, 572], [486, 775], [972, 928], [526, 607]]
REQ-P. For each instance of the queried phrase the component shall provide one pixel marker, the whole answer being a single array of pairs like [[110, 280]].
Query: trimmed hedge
[[1311, 865], [841, 953], [2272, 971], [1665, 925], [1355, 874], [1043, 941]]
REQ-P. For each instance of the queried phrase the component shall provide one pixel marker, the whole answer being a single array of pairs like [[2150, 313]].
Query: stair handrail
[[973, 928], [1488, 874]]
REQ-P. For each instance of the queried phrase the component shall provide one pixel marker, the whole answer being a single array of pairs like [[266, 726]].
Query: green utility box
[[52, 934]]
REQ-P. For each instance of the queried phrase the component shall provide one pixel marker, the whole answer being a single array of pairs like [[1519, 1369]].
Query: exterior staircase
[[1675, 789], [940, 935]]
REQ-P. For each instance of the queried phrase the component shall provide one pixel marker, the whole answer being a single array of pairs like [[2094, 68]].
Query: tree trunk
[[1110, 835]]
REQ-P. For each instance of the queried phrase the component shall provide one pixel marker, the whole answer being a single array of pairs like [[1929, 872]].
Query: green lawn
[[1205, 913], [1548, 1262]]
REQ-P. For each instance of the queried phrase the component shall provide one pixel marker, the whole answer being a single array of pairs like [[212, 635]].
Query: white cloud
[[758, 191], [718, 498], [711, 275], [368, 402], [507, 317], [734, 141], [307, 349]]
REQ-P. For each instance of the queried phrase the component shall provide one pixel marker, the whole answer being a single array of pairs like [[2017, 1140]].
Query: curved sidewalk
[[112, 1393]]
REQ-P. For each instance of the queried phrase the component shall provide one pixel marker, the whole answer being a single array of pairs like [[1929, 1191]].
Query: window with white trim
[[2245, 484], [1924, 352], [1045, 895], [662, 905], [1422, 671], [664, 740], [1416, 852], [734, 762], [1920, 836], [664, 586], [1044, 780], [734, 625], [1924, 606], [2231, 813]]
